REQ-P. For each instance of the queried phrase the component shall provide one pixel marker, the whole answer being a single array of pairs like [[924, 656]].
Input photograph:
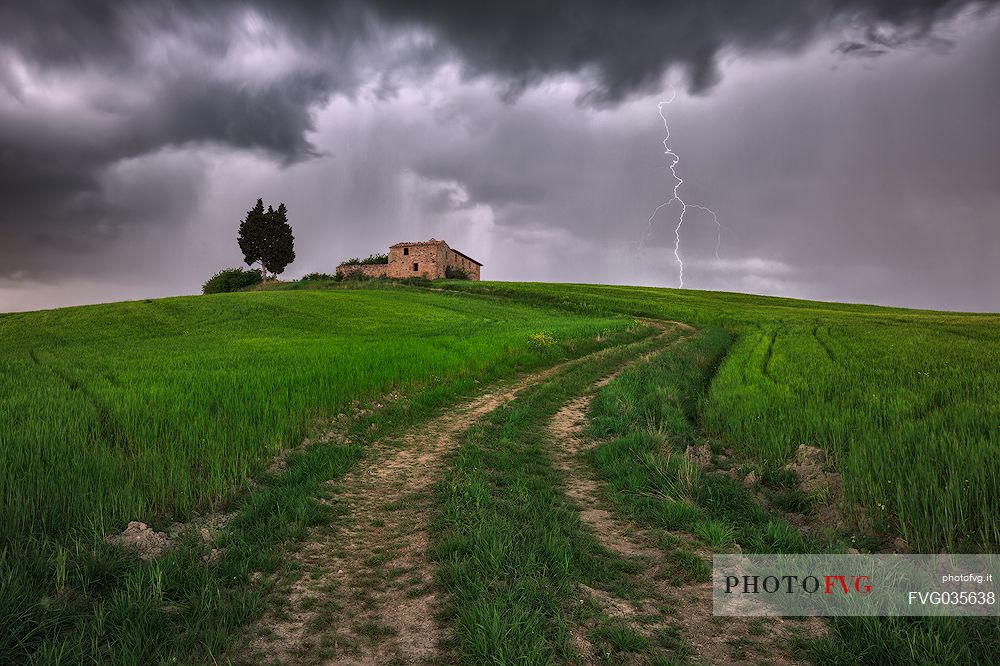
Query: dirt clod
[[141, 539], [812, 473], [700, 455]]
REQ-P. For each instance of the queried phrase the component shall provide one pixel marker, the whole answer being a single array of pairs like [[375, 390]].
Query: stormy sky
[[851, 148]]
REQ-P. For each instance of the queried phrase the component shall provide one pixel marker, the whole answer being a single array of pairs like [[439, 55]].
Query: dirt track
[[367, 595], [714, 640]]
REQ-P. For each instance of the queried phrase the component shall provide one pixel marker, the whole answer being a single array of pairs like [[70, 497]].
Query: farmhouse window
[[414, 265], [406, 251]]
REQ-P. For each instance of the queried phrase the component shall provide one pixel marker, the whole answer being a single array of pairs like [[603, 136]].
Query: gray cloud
[[865, 185], [132, 84], [97, 97]]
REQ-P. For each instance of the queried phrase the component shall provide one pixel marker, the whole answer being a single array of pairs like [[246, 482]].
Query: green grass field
[[118, 411], [904, 401], [156, 410], [152, 410]]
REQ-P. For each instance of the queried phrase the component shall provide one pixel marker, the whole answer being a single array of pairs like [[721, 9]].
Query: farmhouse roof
[[435, 241]]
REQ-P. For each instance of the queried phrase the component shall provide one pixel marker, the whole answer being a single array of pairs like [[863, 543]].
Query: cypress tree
[[265, 238]]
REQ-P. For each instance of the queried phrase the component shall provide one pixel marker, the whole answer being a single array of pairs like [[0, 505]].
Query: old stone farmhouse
[[429, 259]]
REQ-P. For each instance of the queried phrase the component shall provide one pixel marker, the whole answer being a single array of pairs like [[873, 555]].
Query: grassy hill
[[902, 400], [161, 410], [114, 412]]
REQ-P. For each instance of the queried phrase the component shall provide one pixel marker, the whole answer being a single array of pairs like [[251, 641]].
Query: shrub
[[416, 282], [231, 279], [373, 259], [321, 277], [356, 276], [455, 273]]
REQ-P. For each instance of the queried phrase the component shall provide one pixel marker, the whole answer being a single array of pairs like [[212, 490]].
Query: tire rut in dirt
[[664, 608], [367, 594]]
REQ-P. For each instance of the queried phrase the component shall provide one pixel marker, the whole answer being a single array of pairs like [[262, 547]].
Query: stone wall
[[426, 260], [416, 261], [371, 270], [455, 260]]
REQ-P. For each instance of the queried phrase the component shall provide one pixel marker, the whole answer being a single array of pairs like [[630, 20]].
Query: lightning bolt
[[678, 181]]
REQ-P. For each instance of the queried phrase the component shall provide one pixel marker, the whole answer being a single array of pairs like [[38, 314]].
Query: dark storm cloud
[[860, 50], [629, 45], [145, 79], [153, 76], [52, 183]]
